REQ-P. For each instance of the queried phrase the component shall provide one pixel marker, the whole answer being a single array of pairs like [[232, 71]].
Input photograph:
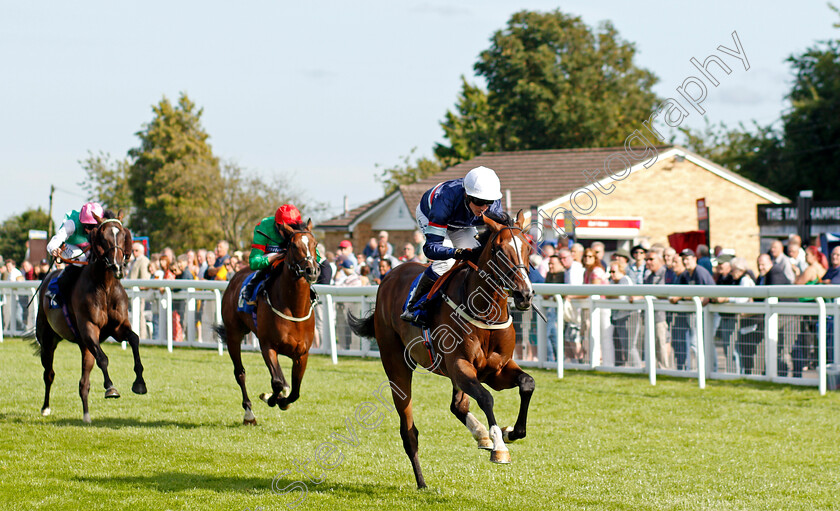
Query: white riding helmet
[[482, 183]]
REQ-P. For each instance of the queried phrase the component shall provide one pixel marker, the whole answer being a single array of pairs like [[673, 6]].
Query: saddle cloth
[[249, 308], [52, 286]]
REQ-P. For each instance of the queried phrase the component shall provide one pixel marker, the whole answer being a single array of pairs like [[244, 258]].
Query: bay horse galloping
[[471, 340], [96, 308], [285, 319]]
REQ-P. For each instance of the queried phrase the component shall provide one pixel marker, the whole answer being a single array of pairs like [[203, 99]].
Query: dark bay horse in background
[[472, 338], [285, 323], [97, 308]]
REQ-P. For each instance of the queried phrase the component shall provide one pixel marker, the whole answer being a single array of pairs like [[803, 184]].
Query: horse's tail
[[30, 336], [363, 327], [221, 333]]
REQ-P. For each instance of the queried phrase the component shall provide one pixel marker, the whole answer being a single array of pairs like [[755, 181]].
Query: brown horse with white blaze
[[97, 308], [472, 339], [285, 320]]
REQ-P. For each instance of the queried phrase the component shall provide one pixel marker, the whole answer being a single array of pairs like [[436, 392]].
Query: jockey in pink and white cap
[[74, 234]]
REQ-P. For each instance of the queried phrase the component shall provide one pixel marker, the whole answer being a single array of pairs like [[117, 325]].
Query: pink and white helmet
[[87, 212]]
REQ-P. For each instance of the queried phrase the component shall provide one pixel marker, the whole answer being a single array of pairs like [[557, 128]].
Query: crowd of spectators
[[739, 334]]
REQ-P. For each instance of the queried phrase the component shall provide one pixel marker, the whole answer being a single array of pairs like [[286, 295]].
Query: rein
[[300, 272], [461, 309]]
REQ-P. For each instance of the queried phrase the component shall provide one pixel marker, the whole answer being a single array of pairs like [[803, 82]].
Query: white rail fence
[[779, 339]]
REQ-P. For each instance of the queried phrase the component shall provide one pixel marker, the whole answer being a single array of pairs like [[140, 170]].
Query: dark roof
[[536, 177], [343, 221], [533, 177]]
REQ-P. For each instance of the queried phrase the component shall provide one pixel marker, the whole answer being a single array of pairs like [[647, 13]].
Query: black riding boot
[[67, 281], [423, 287], [246, 293]]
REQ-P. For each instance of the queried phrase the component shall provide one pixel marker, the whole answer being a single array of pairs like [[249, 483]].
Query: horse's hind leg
[[84, 383], [399, 376], [234, 344], [460, 407], [513, 376], [126, 333], [48, 340], [464, 376]]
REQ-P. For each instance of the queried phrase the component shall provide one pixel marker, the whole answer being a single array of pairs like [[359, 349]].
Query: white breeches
[[454, 238]]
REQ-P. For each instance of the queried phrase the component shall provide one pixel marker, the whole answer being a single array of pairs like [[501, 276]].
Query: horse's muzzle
[[311, 273], [522, 301]]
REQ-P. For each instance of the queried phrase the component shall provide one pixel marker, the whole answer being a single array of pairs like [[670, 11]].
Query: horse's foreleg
[[278, 381], [90, 338], [126, 333], [84, 383], [298, 368], [464, 376], [511, 376], [460, 407]]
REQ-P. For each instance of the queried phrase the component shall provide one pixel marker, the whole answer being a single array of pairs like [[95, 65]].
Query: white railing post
[[560, 340], [771, 336], [190, 319], [2, 305], [708, 340], [542, 351], [650, 339], [330, 317], [594, 332], [136, 314], [364, 341], [835, 328], [167, 307], [700, 340], [217, 295], [821, 343]]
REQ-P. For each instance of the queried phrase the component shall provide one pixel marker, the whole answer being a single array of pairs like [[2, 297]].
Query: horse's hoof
[[283, 405], [139, 387], [500, 457], [251, 422], [46, 412], [112, 393], [86, 418], [506, 434], [265, 396], [485, 443]]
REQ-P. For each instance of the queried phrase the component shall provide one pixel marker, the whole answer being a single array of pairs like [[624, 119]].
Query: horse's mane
[[502, 218], [108, 214]]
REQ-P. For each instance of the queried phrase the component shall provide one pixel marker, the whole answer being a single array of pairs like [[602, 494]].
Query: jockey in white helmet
[[448, 215]]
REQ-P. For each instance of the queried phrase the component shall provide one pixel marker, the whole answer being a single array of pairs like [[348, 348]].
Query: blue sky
[[322, 92]]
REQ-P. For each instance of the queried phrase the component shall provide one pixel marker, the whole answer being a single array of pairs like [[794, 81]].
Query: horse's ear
[[97, 218], [492, 224], [127, 245], [308, 224], [120, 215], [520, 219]]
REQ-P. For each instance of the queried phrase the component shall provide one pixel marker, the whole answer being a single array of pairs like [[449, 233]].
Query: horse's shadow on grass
[[120, 423], [168, 482]]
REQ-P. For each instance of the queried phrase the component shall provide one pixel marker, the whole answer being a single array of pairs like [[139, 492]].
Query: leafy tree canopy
[[14, 232], [552, 82]]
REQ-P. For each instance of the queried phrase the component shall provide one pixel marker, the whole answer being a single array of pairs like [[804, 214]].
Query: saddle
[[249, 303], [421, 318]]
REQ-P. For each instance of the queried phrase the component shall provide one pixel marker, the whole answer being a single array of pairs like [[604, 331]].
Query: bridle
[[511, 268], [117, 248], [299, 267]]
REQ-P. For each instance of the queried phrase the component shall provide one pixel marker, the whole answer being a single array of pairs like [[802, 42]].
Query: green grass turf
[[595, 441]]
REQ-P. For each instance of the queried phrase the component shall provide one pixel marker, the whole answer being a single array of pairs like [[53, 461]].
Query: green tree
[[803, 153], [408, 172], [14, 232], [552, 82], [174, 178], [106, 181]]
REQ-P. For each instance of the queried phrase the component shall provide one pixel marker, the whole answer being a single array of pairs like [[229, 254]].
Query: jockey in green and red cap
[[269, 244]]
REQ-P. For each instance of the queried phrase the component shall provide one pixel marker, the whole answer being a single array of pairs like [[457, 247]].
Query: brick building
[[647, 194]]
